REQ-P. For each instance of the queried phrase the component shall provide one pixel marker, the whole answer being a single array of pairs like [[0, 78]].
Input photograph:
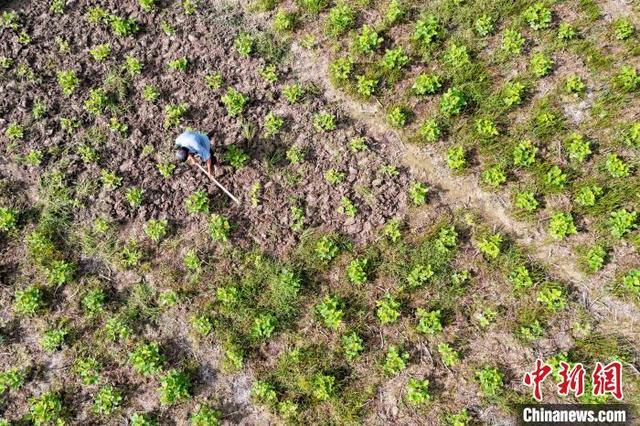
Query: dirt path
[[456, 192]]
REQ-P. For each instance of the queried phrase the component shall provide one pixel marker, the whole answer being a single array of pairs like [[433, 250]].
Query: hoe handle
[[230, 195]]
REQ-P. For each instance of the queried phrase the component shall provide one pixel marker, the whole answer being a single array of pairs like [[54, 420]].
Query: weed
[[395, 361], [150, 93], [8, 219], [39, 109], [5, 62], [189, 7]]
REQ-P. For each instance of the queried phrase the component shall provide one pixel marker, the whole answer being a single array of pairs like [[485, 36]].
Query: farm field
[[434, 195]]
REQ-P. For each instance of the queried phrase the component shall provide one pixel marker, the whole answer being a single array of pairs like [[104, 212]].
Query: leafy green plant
[[197, 202], [88, 369], [93, 301], [166, 168], [366, 85], [110, 180], [552, 296], [494, 176], [368, 40], [555, 178], [107, 400], [541, 64], [46, 409], [627, 79], [340, 70], [293, 93], [234, 101], [134, 196], [272, 124], [236, 156], [538, 16], [391, 230], [512, 42], [490, 245], [297, 218], [484, 25], [594, 258], [179, 64], [623, 29], [269, 73], [60, 272], [101, 52], [418, 193], [621, 222], [398, 116], [357, 271], [616, 167], [155, 229], [205, 416], [174, 386], [330, 312], [388, 309], [39, 109], [429, 322], [524, 154], [263, 326], [512, 93], [213, 80], [202, 324], [219, 227], [284, 21], [430, 130], [12, 379], [148, 5], [394, 59], [526, 200], [567, 32], [561, 225], [8, 219], [448, 355], [68, 81], [490, 380], [632, 281], [150, 94], [426, 84], [456, 56], [427, 31], [53, 339], [97, 101], [418, 391], [146, 358], [574, 84], [579, 148], [334, 177], [452, 102], [323, 386], [447, 239], [116, 329], [326, 248], [340, 18], [395, 361], [324, 121], [456, 158], [419, 275], [395, 12], [29, 300], [352, 345], [588, 195]]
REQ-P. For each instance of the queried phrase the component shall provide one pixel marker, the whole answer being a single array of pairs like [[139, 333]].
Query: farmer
[[191, 144]]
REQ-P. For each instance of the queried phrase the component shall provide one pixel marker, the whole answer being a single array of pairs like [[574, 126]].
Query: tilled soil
[[208, 48]]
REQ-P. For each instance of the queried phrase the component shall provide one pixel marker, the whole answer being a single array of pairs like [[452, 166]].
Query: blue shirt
[[197, 143]]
